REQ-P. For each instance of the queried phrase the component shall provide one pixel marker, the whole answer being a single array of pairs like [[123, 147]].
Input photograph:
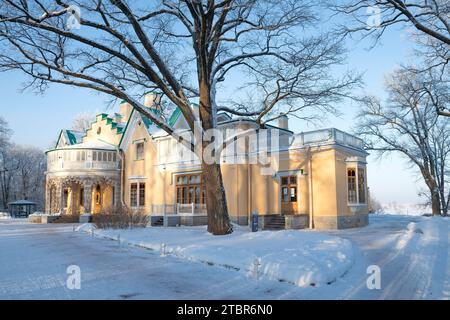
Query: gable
[[135, 131], [68, 138], [106, 129]]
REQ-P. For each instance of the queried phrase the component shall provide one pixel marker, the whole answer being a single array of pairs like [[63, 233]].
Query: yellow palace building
[[315, 179]]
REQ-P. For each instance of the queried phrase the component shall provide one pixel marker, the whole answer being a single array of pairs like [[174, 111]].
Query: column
[[87, 197], [60, 197], [47, 197]]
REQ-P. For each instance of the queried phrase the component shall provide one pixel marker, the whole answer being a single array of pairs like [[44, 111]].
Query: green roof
[[71, 136], [174, 117], [147, 121]]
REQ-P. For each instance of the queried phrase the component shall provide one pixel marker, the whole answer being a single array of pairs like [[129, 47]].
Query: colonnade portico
[[79, 195]]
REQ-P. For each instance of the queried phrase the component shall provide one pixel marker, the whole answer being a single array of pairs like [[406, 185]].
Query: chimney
[[152, 100], [283, 122], [125, 111]]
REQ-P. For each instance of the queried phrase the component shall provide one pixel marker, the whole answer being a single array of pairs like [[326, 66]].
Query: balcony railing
[[61, 165], [325, 136], [187, 209], [82, 159]]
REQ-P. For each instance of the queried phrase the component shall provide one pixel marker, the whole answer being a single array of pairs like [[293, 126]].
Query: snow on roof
[[72, 136], [92, 144]]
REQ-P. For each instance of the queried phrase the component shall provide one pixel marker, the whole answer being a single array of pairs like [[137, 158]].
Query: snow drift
[[303, 258]]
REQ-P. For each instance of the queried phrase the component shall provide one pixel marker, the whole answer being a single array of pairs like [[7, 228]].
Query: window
[[139, 151], [133, 195], [351, 183], [356, 181], [114, 157], [94, 156], [289, 189], [83, 155], [109, 156], [137, 194], [99, 130], [104, 156], [141, 194], [190, 189], [361, 186]]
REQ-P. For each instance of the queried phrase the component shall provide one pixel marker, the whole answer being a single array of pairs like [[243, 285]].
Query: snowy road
[[414, 264], [33, 261]]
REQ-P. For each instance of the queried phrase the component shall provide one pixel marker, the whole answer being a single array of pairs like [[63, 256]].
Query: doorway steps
[[275, 223]]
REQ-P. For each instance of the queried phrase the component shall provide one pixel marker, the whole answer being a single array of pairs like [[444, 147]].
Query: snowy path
[[34, 258], [414, 265]]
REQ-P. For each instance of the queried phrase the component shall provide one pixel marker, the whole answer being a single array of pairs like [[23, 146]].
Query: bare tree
[[408, 125], [82, 121], [5, 168], [374, 16], [28, 177], [429, 18], [184, 49], [5, 133]]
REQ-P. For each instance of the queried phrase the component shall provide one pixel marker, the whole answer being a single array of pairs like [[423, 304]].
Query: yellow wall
[[247, 190], [107, 133]]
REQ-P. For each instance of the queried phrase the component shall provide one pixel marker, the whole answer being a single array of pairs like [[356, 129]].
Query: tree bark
[[435, 203], [216, 203]]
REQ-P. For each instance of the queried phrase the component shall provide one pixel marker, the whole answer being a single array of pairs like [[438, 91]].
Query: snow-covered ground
[[412, 253], [302, 258], [4, 215], [412, 209]]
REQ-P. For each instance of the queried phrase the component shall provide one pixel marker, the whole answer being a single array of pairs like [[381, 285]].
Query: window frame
[[289, 184], [139, 155], [137, 194], [141, 195], [352, 190], [133, 195], [357, 195], [190, 190]]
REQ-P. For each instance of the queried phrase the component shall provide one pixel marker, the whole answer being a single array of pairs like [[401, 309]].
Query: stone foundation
[[49, 219], [240, 220], [193, 220], [171, 221], [341, 222], [298, 221]]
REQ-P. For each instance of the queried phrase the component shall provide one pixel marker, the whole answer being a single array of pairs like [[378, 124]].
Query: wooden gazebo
[[21, 208]]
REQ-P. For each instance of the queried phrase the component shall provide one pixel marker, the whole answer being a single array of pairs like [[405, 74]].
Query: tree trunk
[[435, 203], [216, 203]]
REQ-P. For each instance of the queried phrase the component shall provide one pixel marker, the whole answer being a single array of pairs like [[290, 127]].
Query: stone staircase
[[275, 223]]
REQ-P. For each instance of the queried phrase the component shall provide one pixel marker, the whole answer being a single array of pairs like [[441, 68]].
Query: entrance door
[[289, 195]]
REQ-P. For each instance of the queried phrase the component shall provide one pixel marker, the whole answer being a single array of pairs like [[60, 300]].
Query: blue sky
[[37, 119]]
